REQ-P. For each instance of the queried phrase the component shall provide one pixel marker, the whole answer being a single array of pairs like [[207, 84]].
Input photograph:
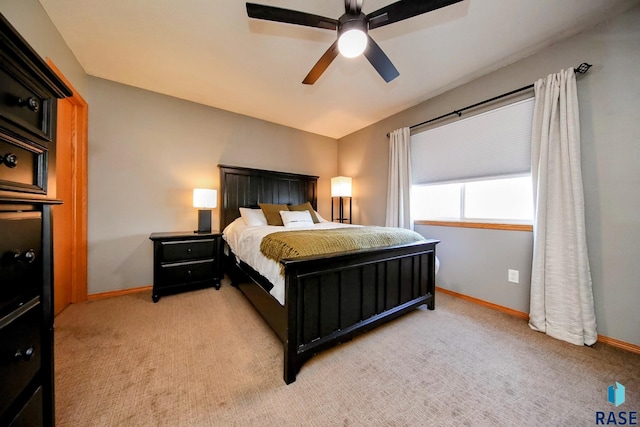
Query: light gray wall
[[148, 151], [610, 132], [34, 25], [475, 261]]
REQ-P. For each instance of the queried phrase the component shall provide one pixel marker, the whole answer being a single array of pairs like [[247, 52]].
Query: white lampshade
[[204, 198], [352, 43], [341, 186]]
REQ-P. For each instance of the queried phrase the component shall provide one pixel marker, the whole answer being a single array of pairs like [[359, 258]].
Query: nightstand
[[185, 261]]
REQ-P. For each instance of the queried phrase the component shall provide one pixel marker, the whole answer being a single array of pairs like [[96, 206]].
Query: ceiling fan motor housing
[[352, 22]]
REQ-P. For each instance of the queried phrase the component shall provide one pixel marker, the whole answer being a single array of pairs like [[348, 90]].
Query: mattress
[[245, 240]]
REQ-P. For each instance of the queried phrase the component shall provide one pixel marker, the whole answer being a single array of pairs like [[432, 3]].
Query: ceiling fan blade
[[380, 61], [288, 16], [403, 10], [322, 64], [353, 7]]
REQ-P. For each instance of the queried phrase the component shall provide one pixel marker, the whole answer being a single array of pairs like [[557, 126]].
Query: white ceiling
[[210, 52]]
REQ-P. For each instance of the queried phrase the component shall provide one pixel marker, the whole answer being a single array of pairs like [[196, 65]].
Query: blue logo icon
[[615, 394]]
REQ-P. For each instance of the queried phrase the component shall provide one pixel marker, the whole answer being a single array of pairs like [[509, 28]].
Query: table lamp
[[204, 199]]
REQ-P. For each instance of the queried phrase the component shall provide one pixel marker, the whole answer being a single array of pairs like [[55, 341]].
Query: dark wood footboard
[[331, 299]]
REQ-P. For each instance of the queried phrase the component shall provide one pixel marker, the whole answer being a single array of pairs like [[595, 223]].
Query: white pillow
[[296, 219], [253, 217]]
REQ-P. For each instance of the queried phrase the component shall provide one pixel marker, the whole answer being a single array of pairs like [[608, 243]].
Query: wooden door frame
[[79, 183]]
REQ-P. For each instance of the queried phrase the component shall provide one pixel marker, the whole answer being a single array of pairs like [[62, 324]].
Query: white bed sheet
[[245, 240]]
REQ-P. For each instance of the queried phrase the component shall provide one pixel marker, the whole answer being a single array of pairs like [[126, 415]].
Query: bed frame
[[328, 299]]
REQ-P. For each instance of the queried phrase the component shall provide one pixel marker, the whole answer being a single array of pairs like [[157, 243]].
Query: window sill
[[485, 225]]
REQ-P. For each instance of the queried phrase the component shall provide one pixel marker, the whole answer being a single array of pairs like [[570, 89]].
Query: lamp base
[[341, 211], [204, 221]]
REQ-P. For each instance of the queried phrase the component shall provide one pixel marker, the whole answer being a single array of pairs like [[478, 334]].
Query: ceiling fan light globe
[[352, 43]]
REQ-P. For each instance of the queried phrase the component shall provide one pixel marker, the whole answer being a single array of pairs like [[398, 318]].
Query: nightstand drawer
[[187, 250], [19, 352], [187, 272]]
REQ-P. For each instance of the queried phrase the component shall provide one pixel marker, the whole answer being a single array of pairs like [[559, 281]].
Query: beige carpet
[[206, 358]]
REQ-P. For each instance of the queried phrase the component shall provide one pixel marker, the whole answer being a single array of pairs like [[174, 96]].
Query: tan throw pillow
[[272, 212], [306, 207]]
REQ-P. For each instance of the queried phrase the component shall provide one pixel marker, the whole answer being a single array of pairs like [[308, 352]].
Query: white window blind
[[490, 144]]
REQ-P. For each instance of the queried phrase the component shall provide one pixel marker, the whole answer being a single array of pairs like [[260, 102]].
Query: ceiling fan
[[353, 27]]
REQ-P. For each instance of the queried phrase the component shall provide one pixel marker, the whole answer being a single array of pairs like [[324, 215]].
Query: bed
[[328, 299]]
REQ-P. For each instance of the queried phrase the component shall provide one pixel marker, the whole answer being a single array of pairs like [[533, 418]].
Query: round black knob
[[29, 353], [30, 103], [29, 256], [10, 160], [25, 355], [188, 250]]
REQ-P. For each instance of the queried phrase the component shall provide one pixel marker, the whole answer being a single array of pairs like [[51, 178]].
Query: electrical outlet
[[513, 276]]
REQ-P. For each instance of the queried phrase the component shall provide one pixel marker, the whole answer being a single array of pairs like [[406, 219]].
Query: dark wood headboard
[[246, 187]]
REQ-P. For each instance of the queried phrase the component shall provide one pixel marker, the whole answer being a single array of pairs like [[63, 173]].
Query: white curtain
[[561, 290], [399, 184]]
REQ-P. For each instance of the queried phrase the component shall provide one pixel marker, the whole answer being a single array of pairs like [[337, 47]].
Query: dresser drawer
[[19, 351], [22, 166], [20, 258], [22, 105], [187, 250], [31, 414], [186, 272]]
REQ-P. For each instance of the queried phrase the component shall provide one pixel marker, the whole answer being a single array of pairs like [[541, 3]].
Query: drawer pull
[[189, 250], [25, 355], [30, 103], [10, 160], [189, 273], [27, 257]]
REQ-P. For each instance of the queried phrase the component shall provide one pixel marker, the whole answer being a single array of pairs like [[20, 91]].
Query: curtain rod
[[580, 69]]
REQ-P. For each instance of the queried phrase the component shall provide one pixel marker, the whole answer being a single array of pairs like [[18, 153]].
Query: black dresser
[[28, 96]]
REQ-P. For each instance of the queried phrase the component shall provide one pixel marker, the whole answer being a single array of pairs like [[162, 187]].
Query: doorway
[[70, 218]]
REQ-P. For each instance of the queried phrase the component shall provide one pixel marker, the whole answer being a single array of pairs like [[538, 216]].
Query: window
[[507, 200], [476, 169]]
